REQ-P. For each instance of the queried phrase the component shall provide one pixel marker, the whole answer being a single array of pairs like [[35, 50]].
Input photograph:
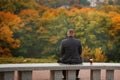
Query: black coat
[[71, 50]]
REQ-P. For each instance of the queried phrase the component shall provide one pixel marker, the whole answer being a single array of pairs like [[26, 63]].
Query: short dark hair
[[71, 31]]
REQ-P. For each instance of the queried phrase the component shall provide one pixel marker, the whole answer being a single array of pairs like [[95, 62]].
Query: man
[[71, 50]]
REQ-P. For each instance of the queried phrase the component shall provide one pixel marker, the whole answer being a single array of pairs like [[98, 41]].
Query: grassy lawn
[[26, 60]]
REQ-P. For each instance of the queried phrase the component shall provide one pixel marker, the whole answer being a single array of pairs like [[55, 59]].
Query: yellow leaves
[[28, 28], [74, 11], [92, 37], [54, 39], [109, 8], [87, 53], [42, 30], [99, 55], [110, 45], [5, 33], [50, 13]]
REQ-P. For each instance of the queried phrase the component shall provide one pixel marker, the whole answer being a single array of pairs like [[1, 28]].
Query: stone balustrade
[[24, 71]]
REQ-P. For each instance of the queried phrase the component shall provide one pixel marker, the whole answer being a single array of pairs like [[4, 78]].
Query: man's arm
[[80, 49], [62, 49]]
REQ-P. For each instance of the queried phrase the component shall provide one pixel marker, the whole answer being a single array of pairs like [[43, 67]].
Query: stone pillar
[[8, 75], [71, 75], [109, 74], [1, 75], [24, 75], [56, 75], [95, 74]]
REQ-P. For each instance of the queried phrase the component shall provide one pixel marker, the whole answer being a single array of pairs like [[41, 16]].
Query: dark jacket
[[71, 50]]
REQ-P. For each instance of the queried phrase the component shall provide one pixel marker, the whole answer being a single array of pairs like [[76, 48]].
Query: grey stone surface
[[71, 75], [25, 70], [55, 75], [56, 66], [109, 74], [95, 74], [58, 75], [8, 75], [1, 75], [25, 75]]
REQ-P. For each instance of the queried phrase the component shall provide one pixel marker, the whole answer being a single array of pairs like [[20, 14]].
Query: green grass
[[26, 60]]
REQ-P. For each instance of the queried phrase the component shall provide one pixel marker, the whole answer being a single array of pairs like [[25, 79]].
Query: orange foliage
[[30, 14], [74, 11], [50, 13], [109, 8], [5, 52], [9, 23], [115, 18], [9, 19]]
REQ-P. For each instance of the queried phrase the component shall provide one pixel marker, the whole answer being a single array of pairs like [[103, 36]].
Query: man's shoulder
[[77, 39], [74, 39], [64, 40]]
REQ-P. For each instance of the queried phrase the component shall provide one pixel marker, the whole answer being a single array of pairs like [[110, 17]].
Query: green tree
[[110, 2], [92, 28], [84, 2], [33, 35], [57, 27]]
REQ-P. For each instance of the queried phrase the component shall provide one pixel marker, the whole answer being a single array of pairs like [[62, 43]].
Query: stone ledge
[[57, 66]]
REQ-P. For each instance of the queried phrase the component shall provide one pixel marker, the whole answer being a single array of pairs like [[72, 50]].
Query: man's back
[[70, 51]]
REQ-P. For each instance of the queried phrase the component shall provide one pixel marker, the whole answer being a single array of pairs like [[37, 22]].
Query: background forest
[[34, 29]]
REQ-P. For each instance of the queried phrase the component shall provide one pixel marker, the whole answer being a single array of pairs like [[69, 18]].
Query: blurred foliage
[[15, 6], [63, 3], [26, 60], [30, 30], [8, 25]]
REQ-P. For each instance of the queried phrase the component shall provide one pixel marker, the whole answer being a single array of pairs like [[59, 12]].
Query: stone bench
[[25, 70]]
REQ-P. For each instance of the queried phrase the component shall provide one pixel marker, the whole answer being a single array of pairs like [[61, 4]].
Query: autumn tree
[[8, 25], [99, 56], [58, 27], [33, 35], [15, 6], [114, 32], [92, 28]]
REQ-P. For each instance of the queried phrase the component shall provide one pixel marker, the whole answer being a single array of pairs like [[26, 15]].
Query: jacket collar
[[70, 37]]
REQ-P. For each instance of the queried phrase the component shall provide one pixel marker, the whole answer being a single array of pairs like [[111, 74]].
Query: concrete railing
[[25, 70]]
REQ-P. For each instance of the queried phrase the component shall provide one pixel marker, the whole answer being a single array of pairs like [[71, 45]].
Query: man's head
[[70, 33]]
